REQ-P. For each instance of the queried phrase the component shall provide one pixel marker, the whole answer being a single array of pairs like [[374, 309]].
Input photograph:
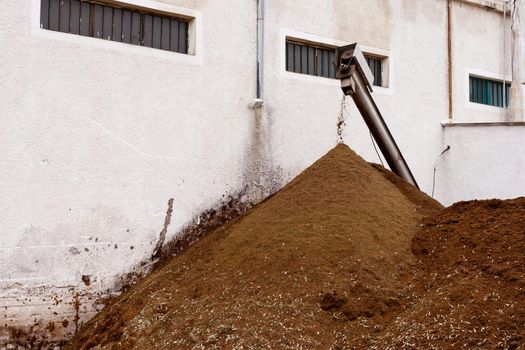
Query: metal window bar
[[126, 25], [488, 92]]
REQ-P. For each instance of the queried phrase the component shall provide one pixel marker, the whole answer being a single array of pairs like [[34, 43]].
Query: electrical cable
[[374, 144], [435, 166]]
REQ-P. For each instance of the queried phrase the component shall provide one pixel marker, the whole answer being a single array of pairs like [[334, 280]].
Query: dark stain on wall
[[162, 235], [76, 304], [261, 176], [87, 280], [25, 338], [229, 208]]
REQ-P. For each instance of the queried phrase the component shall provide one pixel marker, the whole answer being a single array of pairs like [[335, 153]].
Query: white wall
[[485, 159], [97, 136], [481, 47], [305, 109], [482, 163]]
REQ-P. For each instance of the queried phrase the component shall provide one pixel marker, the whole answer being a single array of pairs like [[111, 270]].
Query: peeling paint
[[162, 235]]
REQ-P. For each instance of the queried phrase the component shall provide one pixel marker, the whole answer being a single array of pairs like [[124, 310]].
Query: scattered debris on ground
[[345, 256]]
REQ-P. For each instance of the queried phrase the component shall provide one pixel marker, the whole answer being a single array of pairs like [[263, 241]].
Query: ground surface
[[346, 256]]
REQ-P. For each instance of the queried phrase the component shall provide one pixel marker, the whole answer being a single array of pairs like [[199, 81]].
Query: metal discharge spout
[[356, 81]]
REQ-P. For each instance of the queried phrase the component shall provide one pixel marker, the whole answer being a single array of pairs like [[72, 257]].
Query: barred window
[[127, 25], [309, 59], [488, 92], [317, 60]]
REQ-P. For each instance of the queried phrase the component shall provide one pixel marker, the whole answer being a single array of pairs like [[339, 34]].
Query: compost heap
[[345, 256]]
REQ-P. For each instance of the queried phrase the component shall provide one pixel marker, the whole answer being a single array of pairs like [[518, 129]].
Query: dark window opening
[[311, 60], [376, 66], [489, 92], [108, 22], [318, 61]]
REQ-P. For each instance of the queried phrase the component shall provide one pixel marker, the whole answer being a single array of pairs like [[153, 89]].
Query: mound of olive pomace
[[347, 256], [470, 283], [314, 265]]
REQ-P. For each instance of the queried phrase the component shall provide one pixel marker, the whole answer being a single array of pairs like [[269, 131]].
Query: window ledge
[[461, 124]]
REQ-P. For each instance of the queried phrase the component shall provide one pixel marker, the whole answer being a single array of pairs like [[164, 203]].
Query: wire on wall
[[435, 167]]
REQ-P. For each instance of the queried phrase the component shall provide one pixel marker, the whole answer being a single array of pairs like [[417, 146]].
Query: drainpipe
[[260, 54], [449, 43], [505, 99], [516, 89]]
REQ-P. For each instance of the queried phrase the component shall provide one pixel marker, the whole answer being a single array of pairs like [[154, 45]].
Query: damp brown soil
[[470, 290], [345, 256]]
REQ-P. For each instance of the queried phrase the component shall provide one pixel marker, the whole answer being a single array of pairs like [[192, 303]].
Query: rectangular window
[[110, 22], [489, 92], [309, 59], [318, 61]]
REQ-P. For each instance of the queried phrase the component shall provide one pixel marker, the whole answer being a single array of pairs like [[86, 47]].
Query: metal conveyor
[[356, 81]]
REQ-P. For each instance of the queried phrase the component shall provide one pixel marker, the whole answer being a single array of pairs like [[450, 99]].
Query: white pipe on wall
[[516, 90], [260, 50]]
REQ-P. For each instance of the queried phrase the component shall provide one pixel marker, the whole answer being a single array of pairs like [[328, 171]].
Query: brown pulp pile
[[327, 262], [471, 279]]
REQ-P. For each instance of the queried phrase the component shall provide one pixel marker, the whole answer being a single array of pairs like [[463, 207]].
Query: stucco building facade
[[110, 149]]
